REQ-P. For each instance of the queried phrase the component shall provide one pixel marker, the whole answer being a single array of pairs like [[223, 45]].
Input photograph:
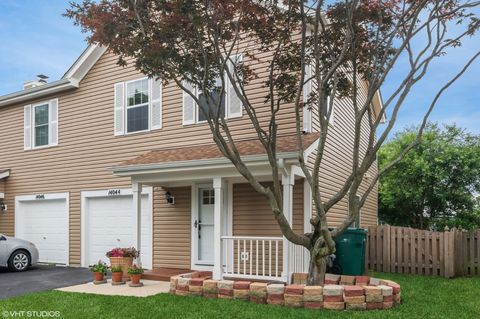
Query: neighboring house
[[81, 156]]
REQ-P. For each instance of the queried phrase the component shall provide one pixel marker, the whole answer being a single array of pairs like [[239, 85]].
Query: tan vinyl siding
[[2, 186], [337, 161], [252, 215], [171, 229], [87, 148]]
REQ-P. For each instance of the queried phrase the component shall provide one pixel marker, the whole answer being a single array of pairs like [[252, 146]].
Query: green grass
[[423, 297]]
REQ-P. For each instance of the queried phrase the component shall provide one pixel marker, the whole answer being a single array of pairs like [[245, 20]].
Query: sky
[[36, 39]]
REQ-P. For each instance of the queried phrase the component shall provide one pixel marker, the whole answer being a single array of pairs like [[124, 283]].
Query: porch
[[214, 214]]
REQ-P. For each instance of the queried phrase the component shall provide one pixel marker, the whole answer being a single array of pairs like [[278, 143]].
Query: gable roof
[[70, 80], [201, 153]]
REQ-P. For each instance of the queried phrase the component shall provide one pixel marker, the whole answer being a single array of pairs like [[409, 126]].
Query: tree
[[435, 184], [194, 43]]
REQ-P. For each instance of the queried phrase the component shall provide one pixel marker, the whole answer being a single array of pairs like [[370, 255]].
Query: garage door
[[43, 220], [109, 222]]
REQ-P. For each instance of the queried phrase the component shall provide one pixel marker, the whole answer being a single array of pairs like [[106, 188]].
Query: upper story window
[[230, 106], [138, 106], [41, 125]]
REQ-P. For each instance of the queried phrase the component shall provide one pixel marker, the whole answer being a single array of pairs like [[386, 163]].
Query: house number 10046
[[113, 192]]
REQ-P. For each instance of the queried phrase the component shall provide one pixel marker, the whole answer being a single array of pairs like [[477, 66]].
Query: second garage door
[[109, 222]]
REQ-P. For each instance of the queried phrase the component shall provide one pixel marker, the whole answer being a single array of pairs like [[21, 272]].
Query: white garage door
[[43, 220], [109, 222]]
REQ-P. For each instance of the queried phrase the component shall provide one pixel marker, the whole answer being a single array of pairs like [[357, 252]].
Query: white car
[[17, 254]]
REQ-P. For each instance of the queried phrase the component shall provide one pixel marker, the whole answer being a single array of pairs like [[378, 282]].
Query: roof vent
[[41, 80]]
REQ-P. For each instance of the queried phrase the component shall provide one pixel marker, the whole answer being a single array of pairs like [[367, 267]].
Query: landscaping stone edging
[[338, 293]]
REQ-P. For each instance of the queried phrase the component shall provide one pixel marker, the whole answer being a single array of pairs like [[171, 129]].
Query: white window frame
[[126, 107], [33, 145], [34, 126]]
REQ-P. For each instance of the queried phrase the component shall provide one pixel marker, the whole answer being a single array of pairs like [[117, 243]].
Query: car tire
[[19, 261]]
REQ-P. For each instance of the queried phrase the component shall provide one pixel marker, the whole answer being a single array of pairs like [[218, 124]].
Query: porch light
[[3, 207], [169, 198]]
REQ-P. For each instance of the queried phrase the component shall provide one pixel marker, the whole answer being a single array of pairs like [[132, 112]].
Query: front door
[[204, 225]]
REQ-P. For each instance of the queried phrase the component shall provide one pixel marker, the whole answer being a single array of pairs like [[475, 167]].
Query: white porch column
[[137, 220], [217, 228], [288, 181]]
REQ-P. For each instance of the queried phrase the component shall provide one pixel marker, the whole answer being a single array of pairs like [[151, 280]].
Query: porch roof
[[205, 160]]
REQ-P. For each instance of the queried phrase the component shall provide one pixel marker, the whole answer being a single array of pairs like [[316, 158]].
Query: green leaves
[[435, 185]]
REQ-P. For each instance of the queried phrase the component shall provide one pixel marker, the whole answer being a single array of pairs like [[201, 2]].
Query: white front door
[[204, 225]]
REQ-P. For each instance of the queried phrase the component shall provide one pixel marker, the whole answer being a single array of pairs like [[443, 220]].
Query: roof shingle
[[285, 144]]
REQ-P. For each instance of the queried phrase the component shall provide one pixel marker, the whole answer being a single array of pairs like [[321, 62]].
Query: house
[[105, 157]]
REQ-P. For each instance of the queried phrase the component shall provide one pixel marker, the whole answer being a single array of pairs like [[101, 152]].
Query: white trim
[[229, 206], [71, 79], [126, 107], [39, 92], [310, 149], [195, 263], [2, 195], [307, 215], [85, 195], [32, 124], [46, 197], [139, 169], [85, 62], [5, 174]]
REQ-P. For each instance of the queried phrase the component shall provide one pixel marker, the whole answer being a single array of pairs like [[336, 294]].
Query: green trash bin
[[350, 254]]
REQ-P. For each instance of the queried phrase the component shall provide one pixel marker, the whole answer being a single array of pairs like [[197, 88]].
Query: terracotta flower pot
[[136, 278], [124, 262], [98, 276], [117, 276]]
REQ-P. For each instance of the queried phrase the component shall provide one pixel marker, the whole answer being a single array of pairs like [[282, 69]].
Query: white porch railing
[[299, 257], [252, 257]]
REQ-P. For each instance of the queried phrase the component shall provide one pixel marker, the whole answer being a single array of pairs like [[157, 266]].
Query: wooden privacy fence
[[422, 252]]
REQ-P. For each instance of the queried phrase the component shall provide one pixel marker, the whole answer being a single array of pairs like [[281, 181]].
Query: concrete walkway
[[149, 288]]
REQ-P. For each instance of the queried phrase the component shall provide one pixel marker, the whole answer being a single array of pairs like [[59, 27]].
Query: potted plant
[[122, 257], [117, 275], [135, 273], [99, 270]]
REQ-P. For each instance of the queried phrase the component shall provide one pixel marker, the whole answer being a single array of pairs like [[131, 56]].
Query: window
[[204, 106], [137, 106], [231, 105], [208, 197], [41, 124]]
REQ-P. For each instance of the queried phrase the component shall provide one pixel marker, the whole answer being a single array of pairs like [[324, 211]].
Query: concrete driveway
[[40, 278]]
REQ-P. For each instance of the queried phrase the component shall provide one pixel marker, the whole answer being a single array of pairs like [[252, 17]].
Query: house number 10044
[[113, 192]]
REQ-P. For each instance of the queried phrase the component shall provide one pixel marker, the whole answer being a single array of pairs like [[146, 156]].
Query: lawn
[[423, 297]]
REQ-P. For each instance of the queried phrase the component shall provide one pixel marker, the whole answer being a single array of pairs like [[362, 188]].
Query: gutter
[[39, 91]]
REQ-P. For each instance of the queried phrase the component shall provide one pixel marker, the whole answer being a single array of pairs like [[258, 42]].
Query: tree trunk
[[316, 271]]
